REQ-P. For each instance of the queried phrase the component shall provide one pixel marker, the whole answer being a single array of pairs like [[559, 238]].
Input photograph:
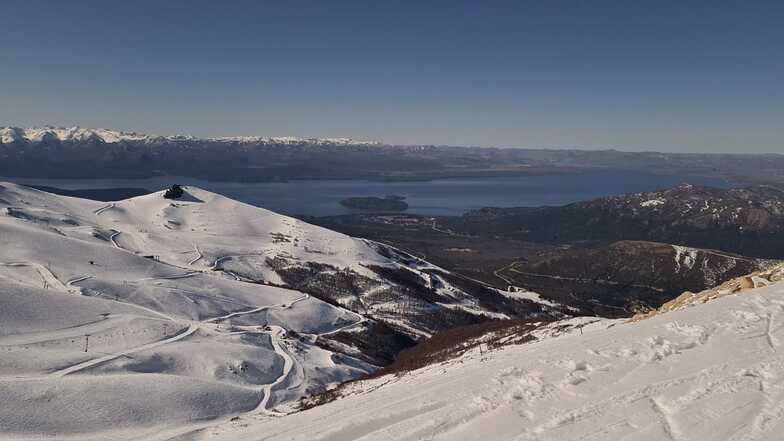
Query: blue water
[[438, 197]]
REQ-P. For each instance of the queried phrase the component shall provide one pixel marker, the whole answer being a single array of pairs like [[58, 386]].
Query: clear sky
[[633, 75]]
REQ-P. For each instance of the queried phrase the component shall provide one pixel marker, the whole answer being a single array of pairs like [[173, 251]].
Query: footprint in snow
[[517, 385]]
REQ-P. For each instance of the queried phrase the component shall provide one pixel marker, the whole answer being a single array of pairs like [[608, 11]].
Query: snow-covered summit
[[291, 140], [9, 135], [39, 134]]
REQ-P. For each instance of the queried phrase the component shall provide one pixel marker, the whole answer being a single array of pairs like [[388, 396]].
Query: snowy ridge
[[769, 276], [124, 299], [34, 135], [291, 140], [9, 135]]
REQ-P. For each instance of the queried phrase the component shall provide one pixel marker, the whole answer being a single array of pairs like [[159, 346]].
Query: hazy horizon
[[665, 77]]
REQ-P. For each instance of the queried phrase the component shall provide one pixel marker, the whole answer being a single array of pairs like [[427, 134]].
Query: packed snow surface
[[714, 371], [118, 321]]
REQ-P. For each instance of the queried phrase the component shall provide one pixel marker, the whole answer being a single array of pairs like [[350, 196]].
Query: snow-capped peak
[[35, 135], [80, 134], [290, 140]]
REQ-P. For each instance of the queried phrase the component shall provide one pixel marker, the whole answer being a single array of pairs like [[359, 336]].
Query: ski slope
[[116, 322], [712, 371]]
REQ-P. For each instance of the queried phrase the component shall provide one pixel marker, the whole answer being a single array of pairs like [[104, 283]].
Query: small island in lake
[[387, 203]]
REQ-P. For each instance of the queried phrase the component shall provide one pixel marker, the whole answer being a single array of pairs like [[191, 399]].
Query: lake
[[439, 197]]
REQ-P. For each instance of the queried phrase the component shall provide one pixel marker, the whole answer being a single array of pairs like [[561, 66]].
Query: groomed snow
[[714, 371], [117, 323]]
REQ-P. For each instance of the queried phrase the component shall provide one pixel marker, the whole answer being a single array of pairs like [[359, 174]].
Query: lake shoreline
[[440, 197]]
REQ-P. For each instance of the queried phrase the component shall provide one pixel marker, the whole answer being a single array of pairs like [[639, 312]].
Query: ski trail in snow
[[360, 320], [255, 310], [664, 419], [222, 259], [194, 326], [78, 279], [771, 339], [113, 239], [100, 211], [198, 255], [104, 323], [49, 278], [288, 363], [174, 277]]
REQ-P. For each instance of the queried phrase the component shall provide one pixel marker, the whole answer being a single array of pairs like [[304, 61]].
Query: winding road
[[583, 280]]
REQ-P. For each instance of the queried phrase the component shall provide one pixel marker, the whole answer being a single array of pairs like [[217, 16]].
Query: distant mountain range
[[76, 152], [35, 135]]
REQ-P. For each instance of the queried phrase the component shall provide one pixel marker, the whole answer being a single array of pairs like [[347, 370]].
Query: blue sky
[[632, 75]]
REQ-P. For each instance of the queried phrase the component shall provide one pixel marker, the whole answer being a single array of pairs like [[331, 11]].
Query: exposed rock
[[175, 192]]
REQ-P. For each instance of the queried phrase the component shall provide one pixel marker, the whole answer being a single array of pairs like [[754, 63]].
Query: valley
[[610, 256]]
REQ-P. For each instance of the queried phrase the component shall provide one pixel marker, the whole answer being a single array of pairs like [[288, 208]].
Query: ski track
[[360, 320], [198, 255], [100, 211], [105, 323], [173, 277], [276, 332], [288, 363], [113, 240], [664, 419], [275, 338], [77, 279], [263, 407], [193, 327], [769, 337], [48, 277]]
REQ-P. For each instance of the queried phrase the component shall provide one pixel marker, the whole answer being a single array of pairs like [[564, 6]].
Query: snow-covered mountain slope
[[120, 320], [714, 371], [9, 135]]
